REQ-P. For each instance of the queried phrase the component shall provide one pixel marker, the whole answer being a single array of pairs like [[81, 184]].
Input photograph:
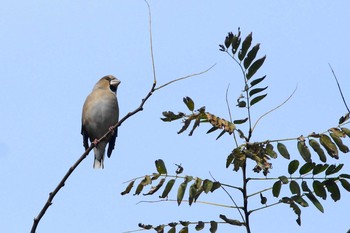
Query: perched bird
[[100, 112]]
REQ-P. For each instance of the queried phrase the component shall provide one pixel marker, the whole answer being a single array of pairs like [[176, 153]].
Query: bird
[[100, 113]]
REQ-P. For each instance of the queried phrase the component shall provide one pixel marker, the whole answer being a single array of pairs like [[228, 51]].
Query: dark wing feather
[[85, 137], [112, 143]]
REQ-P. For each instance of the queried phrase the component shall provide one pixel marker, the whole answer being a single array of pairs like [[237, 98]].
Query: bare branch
[[151, 41], [201, 202], [185, 77]]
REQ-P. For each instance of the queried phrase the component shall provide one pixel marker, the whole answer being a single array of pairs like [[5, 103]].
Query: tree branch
[[341, 93]]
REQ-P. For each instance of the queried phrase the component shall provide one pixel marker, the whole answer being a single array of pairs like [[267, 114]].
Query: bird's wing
[[85, 137], [112, 142]]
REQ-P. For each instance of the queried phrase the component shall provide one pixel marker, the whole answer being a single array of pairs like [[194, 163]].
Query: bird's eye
[[113, 88]]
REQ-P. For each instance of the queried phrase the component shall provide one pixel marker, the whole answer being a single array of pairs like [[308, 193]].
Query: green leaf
[[284, 179], [329, 146], [172, 230], [231, 221], [213, 226], [332, 169], [298, 199], [207, 185], [256, 90], [146, 227], [229, 160], [128, 188], [255, 66], [181, 192], [332, 187], [184, 223], [306, 168], [345, 184], [263, 199], [338, 168], [293, 166], [314, 201], [245, 46], [294, 187], [319, 189], [189, 103], [228, 40], [347, 176], [305, 187], [276, 188], [172, 224], [346, 131], [237, 122], [242, 104], [317, 148], [257, 81], [257, 99], [270, 151], [184, 230], [170, 116], [215, 186], [319, 168], [155, 188], [344, 118], [195, 125], [251, 56], [236, 41], [159, 229], [304, 151], [343, 148], [212, 129], [192, 193], [167, 188], [187, 123], [139, 189], [160, 166], [199, 226], [222, 133], [282, 149]]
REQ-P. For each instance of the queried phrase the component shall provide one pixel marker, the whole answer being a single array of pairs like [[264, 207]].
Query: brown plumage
[[100, 112]]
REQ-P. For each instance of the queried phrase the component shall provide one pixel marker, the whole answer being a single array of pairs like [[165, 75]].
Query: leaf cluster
[[184, 225], [195, 186], [199, 116]]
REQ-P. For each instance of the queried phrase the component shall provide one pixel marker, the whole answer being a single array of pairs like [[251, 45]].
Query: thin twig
[[227, 103], [229, 112], [264, 207], [341, 93], [229, 195], [200, 202], [274, 108], [151, 41], [185, 77]]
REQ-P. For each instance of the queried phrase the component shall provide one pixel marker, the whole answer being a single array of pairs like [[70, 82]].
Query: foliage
[[306, 180]]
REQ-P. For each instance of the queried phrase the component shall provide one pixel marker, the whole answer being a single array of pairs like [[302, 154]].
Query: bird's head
[[108, 82]]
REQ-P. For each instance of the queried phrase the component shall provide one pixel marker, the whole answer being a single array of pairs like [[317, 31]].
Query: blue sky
[[53, 52]]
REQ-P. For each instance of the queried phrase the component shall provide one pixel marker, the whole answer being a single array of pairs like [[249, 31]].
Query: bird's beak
[[115, 82]]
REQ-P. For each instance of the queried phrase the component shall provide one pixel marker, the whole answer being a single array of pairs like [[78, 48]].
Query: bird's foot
[[111, 129], [96, 141]]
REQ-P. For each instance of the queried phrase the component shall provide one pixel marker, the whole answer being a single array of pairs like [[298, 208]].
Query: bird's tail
[[99, 156]]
